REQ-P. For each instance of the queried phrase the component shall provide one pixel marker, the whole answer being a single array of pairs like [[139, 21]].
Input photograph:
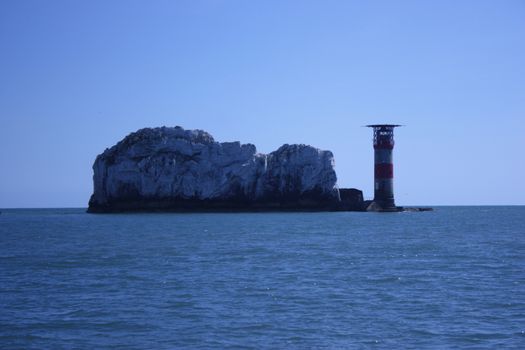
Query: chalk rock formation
[[176, 169]]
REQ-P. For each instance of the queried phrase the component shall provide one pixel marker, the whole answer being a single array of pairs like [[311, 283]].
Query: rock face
[[176, 169]]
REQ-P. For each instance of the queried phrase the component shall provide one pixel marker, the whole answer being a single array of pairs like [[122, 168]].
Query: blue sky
[[77, 76]]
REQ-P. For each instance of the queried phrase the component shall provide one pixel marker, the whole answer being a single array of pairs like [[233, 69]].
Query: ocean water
[[453, 278]]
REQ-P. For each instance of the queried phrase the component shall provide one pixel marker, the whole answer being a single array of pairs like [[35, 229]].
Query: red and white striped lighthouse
[[384, 166]]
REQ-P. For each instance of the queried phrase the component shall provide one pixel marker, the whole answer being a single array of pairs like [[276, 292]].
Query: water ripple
[[453, 278]]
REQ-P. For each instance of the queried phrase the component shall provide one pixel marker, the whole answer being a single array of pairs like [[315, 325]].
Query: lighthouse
[[384, 167]]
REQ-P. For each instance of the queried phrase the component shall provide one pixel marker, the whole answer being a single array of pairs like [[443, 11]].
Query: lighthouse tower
[[384, 167]]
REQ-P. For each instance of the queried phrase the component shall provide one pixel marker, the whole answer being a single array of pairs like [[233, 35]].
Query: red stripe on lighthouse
[[384, 171], [384, 146]]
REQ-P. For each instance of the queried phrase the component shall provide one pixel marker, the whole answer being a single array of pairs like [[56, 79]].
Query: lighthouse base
[[378, 207], [373, 206]]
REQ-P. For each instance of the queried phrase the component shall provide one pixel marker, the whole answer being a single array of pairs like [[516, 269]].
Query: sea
[[453, 278]]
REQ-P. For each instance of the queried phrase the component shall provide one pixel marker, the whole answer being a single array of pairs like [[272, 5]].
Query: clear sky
[[77, 76]]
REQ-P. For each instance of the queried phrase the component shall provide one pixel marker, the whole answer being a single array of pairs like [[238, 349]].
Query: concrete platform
[[376, 207]]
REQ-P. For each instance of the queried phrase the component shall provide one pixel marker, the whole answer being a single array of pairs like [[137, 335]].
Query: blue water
[[452, 278]]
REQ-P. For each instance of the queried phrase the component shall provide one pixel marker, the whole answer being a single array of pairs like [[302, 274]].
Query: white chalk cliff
[[173, 168]]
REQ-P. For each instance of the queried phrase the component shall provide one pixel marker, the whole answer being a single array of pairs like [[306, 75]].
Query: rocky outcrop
[[176, 169]]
